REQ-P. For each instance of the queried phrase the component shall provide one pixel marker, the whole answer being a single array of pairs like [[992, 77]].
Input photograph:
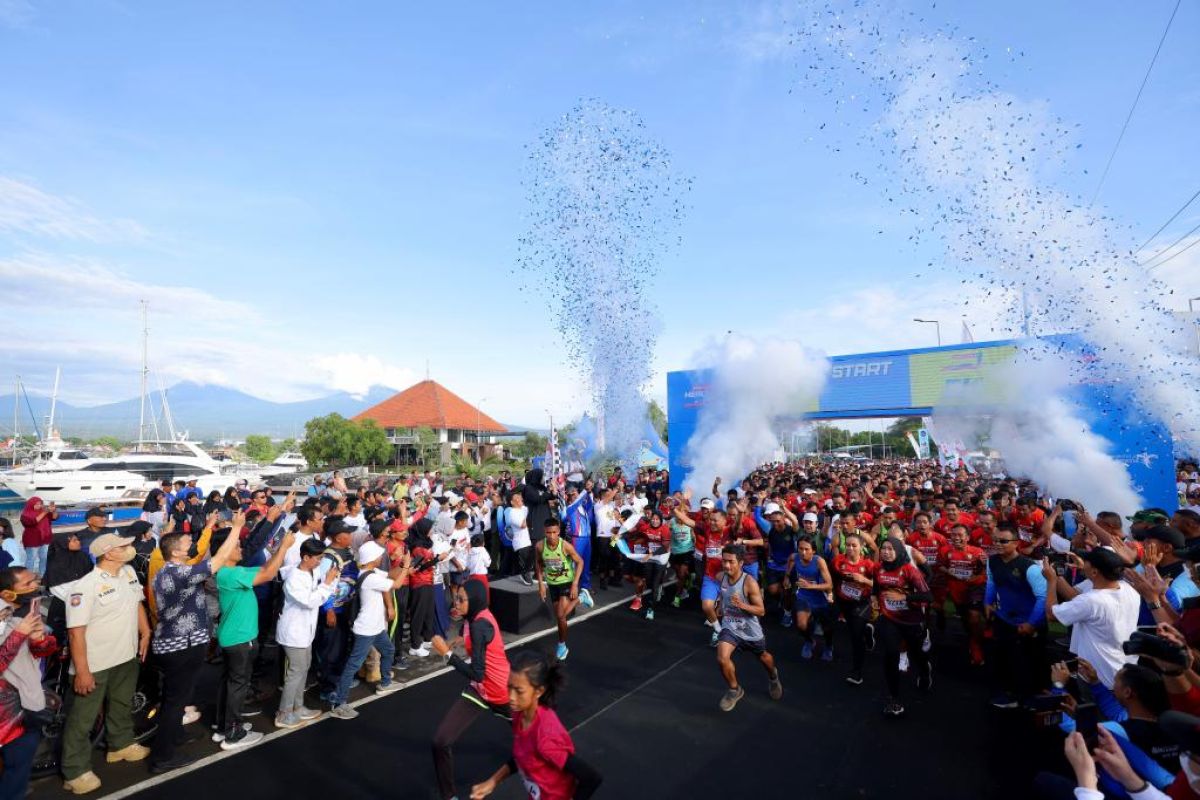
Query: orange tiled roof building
[[461, 427]]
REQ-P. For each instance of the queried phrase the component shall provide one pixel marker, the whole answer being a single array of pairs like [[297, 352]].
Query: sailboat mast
[[53, 403], [145, 372]]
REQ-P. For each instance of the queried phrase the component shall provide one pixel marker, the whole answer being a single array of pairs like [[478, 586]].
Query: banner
[[922, 443]]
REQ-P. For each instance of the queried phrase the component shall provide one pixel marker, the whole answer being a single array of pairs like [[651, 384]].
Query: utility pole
[[145, 373]]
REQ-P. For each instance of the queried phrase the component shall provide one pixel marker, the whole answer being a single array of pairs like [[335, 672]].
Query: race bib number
[[852, 591], [535, 791], [1025, 535], [712, 552], [895, 603], [960, 573], [639, 549]]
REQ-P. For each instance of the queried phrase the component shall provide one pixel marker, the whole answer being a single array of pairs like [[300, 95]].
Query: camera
[[1059, 562], [1149, 644], [1068, 505]]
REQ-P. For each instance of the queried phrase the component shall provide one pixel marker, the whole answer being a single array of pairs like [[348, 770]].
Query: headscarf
[[63, 564], [477, 599], [418, 534], [901, 554], [212, 504], [37, 531], [180, 515], [535, 477]]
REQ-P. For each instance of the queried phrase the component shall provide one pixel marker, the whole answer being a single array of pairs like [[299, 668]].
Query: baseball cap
[[770, 508], [708, 503], [95, 511], [1165, 534], [1150, 516], [809, 517], [452, 498], [335, 526], [1104, 559], [107, 541], [369, 552]]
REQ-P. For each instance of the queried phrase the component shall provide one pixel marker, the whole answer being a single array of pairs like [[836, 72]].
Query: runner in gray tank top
[[740, 606]]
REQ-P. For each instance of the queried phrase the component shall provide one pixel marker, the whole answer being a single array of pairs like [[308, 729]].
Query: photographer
[[1101, 618]]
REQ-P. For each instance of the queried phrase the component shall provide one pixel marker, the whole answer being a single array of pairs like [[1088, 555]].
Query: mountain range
[[206, 412]]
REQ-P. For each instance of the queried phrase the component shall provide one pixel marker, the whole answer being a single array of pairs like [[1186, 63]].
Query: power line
[[1168, 247], [1168, 222], [1133, 107]]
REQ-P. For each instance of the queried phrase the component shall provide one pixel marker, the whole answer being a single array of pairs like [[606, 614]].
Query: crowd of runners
[[862, 561]]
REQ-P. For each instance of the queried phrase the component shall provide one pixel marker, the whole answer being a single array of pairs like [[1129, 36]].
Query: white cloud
[[356, 373], [27, 210], [1181, 273]]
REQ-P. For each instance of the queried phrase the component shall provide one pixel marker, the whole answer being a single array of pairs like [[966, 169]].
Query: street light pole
[[936, 324], [479, 431]]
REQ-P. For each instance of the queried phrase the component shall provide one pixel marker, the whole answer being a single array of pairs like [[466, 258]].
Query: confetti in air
[[604, 207], [977, 168]]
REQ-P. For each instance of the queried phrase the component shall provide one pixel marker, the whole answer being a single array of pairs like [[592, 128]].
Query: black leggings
[[525, 560], [401, 597], [462, 715], [892, 634], [858, 616], [421, 627], [654, 573], [824, 616]]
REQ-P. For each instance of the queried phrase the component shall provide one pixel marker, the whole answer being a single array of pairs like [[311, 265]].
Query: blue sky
[[327, 195]]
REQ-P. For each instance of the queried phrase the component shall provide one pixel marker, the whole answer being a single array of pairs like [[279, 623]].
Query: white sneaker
[[926, 645], [420, 652], [190, 715], [251, 737], [904, 662]]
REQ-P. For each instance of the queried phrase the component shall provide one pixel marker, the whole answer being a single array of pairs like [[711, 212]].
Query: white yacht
[[284, 464], [144, 468]]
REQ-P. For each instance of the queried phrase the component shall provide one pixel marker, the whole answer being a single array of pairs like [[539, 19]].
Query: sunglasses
[[1003, 541]]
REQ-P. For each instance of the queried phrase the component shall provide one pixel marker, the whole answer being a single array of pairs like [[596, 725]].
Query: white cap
[[770, 508], [809, 517], [927, 485], [369, 551], [708, 503], [809, 491]]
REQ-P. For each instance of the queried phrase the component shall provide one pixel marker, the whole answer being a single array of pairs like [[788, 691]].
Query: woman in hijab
[[179, 515], [233, 503], [537, 500], [214, 502], [900, 595], [65, 563], [487, 672], [36, 518], [420, 583]]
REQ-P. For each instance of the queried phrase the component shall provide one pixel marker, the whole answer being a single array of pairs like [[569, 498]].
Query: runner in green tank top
[[558, 569]]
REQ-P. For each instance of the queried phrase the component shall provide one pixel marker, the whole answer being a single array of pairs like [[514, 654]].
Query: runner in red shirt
[[985, 528], [929, 543], [1027, 518], [711, 538], [900, 596], [965, 569], [853, 577], [543, 753], [951, 516]]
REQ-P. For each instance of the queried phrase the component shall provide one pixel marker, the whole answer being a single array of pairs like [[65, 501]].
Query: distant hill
[[204, 411]]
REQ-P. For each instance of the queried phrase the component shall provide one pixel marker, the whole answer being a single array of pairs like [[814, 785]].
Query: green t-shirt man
[[239, 606]]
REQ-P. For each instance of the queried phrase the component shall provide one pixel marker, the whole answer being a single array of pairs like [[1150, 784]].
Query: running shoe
[[716, 635], [418, 652], [562, 651], [786, 620], [925, 678], [854, 679], [731, 697], [219, 736], [585, 599], [827, 654], [343, 711], [675, 602], [245, 740], [1004, 700], [904, 662], [806, 651], [190, 715], [636, 605], [650, 615], [289, 720], [926, 645], [775, 687], [387, 688], [525, 580], [893, 709], [870, 636], [305, 713]]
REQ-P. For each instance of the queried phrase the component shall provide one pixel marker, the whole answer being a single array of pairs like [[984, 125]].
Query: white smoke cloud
[[1041, 433], [753, 383]]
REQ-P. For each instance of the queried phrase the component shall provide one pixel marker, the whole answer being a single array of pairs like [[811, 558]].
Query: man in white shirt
[[1102, 618], [370, 627], [607, 565], [312, 520], [303, 594]]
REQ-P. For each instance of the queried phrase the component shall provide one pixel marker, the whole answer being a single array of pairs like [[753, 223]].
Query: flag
[[913, 441], [554, 466], [967, 338]]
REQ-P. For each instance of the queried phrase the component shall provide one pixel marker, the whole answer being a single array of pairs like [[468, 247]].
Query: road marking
[[634, 690]]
